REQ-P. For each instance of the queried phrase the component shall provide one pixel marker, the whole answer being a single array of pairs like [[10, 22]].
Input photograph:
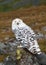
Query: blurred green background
[[8, 5]]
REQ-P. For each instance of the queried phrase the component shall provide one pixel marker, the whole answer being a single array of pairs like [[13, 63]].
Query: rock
[[9, 61], [44, 28], [2, 45], [26, 57], [39, 35], [1, 63]]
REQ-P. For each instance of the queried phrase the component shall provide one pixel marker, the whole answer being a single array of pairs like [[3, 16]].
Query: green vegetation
[[9, 6], [43, 2]]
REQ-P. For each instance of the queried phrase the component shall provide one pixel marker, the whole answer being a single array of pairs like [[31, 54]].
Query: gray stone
[[44, 28], [1, 63], [2, 45]]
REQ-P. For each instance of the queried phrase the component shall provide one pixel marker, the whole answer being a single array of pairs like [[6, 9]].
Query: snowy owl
[[25, 35]]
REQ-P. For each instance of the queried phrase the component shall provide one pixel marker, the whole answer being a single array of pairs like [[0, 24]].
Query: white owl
[[25, 35]]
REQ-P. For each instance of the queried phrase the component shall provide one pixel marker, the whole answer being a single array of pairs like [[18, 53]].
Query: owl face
[[17, 23]]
